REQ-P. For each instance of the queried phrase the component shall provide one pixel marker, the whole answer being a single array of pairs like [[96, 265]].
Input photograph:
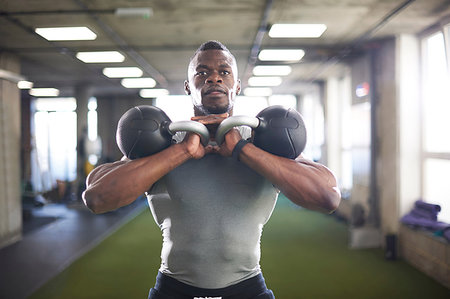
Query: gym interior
[[373, 87]]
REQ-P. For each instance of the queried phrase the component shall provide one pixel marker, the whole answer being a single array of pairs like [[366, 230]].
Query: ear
[[238, 87], [187, 90]]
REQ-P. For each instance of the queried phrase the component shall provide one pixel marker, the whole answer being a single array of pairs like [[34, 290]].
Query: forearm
[[308, 184], [121, 183]]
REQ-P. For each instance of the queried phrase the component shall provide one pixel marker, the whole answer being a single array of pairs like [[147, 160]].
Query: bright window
[[54, 155], [93, 144], [92, 119], [312, 111], [177, 108], [435, 108], [437, 102], [250, 106]]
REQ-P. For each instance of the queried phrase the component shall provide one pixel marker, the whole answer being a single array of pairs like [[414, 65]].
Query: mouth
[[215, 91]]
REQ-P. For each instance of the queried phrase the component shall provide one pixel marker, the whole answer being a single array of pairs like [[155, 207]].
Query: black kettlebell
[[278, 130], [281, 132], [145, 130]]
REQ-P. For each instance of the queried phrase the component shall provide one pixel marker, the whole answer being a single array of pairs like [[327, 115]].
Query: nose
[[214, 77]]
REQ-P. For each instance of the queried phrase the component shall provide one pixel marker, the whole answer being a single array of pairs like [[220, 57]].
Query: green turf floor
[[304, 255]]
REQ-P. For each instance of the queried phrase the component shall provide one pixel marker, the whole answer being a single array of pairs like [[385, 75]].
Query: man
[[211, 202]]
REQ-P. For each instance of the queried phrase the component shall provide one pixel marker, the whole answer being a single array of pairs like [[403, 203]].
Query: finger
[[210, 119], [215, 148], [210, 116], [210, 149], [193, 137], [213, 122], [233, 135]]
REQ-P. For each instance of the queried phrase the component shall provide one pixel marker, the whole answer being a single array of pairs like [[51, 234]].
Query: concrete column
[[399, 112], [10, 195], [82, 95], [107, 125], [389, 130], [26, 136]]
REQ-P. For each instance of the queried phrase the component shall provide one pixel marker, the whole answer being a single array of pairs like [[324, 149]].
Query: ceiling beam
[[357, 42], [57, 12], [10, 76], [123, 45], [262, 29]]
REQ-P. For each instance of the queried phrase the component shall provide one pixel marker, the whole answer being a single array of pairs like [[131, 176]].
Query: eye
[[226, 72], [201, 73]]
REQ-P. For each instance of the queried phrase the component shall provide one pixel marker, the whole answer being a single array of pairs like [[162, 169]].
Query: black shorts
[[169, 288]]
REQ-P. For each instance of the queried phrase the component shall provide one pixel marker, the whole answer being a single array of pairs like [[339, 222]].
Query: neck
[[199, 112]]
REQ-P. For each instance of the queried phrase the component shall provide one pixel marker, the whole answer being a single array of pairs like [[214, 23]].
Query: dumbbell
[[277, 130], [145, 130]]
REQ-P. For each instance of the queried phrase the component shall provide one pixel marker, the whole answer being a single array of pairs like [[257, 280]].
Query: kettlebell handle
[[234, 121], [190, 126]]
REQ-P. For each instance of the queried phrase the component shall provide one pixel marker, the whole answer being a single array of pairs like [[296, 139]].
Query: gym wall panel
[[10, 196]]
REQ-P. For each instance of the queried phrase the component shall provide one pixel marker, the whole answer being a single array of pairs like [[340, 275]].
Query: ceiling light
[[100, 57], [281, 55], [153, 93], [66, 33], [24, 84], [264, 81], [144, 12], [138, 83], [44, 92], [122, 72], [258, 91], [272, 70], [297, 30]]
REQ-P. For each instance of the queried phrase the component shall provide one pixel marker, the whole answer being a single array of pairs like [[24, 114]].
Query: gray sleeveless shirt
[[211, 213]]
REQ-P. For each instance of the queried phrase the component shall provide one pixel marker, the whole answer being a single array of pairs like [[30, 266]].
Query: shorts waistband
[[245, 289]]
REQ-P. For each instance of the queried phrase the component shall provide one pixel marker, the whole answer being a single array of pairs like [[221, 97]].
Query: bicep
[[102, 170], [318, 168]]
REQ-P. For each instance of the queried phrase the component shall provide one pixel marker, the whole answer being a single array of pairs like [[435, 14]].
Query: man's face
[[212, 83]]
